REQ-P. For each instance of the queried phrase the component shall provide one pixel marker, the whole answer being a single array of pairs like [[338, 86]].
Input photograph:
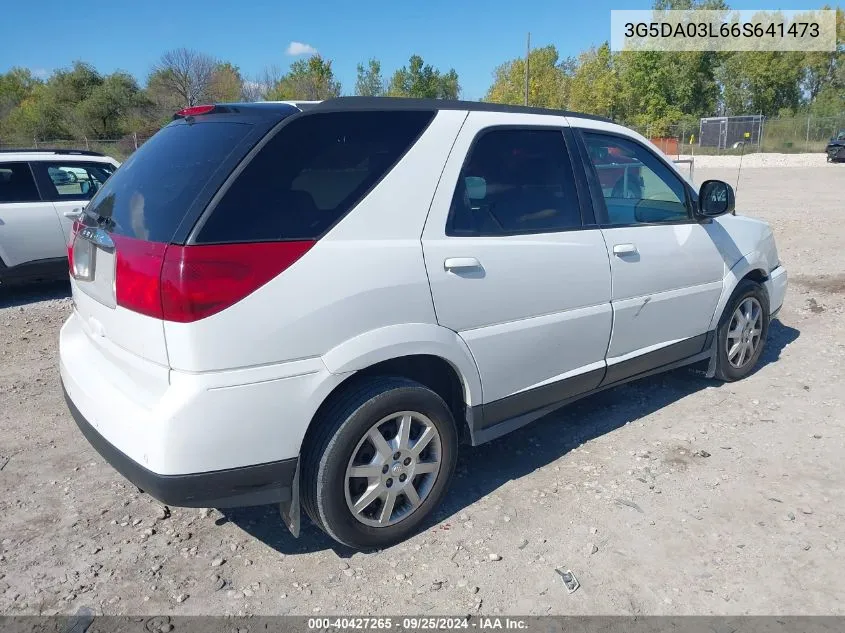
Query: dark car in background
[[835, 150]]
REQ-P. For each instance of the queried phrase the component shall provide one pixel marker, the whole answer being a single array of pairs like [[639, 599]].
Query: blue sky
[[472, 37]]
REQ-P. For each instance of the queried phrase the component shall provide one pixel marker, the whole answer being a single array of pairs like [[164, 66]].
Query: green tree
[[106, 111], [821, 69], [657, 89], [594, 87], [38, 116], [370, 82], [15, 86], [163, 99], [648, 92], [761, 82], [687, 5], [422, 81], [548, 81], [309, 79], [75, 84], [226, 83], [51, 109]]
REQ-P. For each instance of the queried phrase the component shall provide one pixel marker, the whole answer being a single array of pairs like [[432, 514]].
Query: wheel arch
[[429, 354], [753, 266], [388, 344]]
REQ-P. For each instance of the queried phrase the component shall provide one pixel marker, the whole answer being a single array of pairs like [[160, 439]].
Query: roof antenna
[[739, 171]]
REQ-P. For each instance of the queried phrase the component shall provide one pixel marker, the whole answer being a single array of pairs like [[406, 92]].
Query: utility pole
[[527, 54]]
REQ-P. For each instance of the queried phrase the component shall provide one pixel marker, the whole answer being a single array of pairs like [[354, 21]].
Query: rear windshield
[[153, 190], [313, 172]]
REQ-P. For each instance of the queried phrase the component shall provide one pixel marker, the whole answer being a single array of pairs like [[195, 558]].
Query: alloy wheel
[[393, 469], [744, 332]]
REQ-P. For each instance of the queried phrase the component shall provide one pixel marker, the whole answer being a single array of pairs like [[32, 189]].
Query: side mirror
[[715, 198]]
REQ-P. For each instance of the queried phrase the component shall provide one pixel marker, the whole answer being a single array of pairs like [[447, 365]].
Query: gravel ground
[[672, 495], [754, 160]]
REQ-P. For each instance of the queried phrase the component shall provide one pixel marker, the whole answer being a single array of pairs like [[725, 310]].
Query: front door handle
[[461, 263], [624, 249]]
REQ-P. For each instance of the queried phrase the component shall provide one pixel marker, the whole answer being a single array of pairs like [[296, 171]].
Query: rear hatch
[[132, 229]]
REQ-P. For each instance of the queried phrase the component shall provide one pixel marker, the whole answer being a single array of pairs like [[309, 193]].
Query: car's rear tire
[[743, 328], [381, 441]]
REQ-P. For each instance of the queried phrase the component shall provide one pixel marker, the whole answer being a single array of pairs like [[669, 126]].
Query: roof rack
[[28, 150], [401, 103]]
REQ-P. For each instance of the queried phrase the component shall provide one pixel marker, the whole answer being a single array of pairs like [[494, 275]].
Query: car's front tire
[[743, 328], [378, 461]]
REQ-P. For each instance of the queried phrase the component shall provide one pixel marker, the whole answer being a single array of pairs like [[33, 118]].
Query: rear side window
[[153, 190], [73, 181], [17, 183], [310, 174], [515, 181]]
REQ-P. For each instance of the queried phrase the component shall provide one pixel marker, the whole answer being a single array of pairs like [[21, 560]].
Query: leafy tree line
[[81, 103], [643, 88], [662, 89]]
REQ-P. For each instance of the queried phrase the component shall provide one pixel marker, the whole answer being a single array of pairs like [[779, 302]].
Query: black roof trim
[[401, 103], [75, 152]]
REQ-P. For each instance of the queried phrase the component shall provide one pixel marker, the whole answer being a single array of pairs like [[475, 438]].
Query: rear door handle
[[461, 263], [624, 249], [74, 215]]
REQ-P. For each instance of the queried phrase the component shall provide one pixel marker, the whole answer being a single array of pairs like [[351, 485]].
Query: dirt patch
[[833, 284], [814, 306]]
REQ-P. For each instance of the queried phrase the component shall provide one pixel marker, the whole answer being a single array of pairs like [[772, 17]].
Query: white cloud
[[299, 48], [41, 73]]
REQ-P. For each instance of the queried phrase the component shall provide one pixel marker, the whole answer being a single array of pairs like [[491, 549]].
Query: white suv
[[42, 192], [275, 306]]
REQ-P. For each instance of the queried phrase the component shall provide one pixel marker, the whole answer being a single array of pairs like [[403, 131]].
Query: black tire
[[725, 370], [335, 435]]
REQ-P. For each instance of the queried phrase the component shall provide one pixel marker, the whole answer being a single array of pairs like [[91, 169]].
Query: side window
[[74, 181], [17, 183], [515, 181], [313, 172], [637, 186]]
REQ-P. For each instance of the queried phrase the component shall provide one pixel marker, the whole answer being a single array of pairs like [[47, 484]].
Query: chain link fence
[[797, 134], [117, 148]]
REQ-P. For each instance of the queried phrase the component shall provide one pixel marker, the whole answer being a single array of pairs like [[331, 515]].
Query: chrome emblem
[[97, 236]]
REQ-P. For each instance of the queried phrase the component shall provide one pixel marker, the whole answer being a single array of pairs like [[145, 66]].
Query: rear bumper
[[249, 485], [179, 423]]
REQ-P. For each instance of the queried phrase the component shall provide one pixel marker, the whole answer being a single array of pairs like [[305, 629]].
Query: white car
[[275, 306], [42, 192]]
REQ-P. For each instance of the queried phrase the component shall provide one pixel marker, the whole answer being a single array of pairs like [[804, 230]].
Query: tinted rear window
[[153, 190], [313, 172], [17, 183]]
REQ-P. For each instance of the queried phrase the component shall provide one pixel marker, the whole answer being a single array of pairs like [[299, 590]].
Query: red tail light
[[138, 274], [195, 110], [188, 283], [77, 226]]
